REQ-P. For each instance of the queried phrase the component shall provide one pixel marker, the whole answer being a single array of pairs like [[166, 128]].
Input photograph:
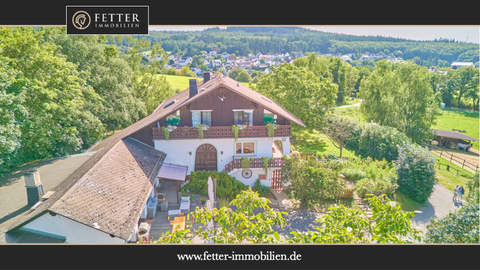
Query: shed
[[443, 136]]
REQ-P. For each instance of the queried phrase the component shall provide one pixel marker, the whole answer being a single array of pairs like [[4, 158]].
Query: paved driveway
[[439, 205]]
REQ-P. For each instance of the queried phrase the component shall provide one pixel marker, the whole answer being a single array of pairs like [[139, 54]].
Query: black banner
[[104, 20], [250, 256]]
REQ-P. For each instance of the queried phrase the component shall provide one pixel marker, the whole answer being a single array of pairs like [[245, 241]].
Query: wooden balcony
[[254, 163], [221, 132]]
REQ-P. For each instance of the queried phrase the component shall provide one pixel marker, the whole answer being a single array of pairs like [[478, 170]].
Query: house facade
[[217, 104]]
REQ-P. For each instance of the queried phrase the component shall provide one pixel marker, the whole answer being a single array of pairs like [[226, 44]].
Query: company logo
[[81, 20], [105, 20]]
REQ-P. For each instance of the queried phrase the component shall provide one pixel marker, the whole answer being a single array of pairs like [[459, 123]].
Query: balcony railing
[[254, 163], [221, 132]]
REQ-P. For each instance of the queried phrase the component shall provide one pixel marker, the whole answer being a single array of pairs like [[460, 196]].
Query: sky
[[460, 33]]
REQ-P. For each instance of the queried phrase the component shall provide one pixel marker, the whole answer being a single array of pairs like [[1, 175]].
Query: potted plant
[[265, 161], [203, 200], [166, 133], [235, 130], [245, 162], [200, 129], [271, 129]]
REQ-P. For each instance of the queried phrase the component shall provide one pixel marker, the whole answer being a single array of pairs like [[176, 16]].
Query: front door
[[206, 158]]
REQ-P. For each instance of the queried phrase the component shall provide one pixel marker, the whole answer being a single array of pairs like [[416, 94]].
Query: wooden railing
[[254, 163], [221, 132]]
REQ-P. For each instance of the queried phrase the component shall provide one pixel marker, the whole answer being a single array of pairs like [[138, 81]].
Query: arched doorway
[[206, 158]]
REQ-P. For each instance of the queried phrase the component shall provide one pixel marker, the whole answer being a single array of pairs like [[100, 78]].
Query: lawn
[[452, 119], [178, 82], [449, 179], [353, 112], [313, 141]]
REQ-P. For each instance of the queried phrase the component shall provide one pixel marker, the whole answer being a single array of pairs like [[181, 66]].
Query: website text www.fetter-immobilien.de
[[262, 256]]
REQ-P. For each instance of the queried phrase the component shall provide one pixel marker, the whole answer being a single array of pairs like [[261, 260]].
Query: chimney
[[206, 77], [34, 186], [193, 87]]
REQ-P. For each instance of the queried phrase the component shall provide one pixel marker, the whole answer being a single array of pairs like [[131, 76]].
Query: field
[[181, 82], [452, 119]]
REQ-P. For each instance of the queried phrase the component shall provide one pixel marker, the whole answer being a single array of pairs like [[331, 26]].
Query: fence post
[[448, 167], [451, 158], [463, 163]]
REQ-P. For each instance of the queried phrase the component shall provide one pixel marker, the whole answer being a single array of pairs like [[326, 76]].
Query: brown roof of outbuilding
[[110, 189], [112, 195], [453, 134]]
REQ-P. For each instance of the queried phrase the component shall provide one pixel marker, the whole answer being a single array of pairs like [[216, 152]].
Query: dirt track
[[471, 157]]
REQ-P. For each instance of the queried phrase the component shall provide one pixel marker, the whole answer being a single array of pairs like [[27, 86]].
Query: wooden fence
[[458, 160]]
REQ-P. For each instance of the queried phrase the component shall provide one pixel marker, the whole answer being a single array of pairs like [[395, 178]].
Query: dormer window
[[201, 117], [173, 119], [269, 117], [243, 117]]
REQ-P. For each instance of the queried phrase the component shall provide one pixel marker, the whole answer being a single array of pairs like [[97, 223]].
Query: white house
[[225, 54], [220, 102], [456, 65]]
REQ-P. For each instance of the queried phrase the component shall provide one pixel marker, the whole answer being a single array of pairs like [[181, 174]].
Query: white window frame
[[244, 110], [200, 111], [248, 154]]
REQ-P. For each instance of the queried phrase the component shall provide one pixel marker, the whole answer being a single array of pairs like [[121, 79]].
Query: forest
[[247, 40]]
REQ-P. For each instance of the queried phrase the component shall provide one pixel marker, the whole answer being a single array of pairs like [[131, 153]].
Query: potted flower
[[166, 133], [245, 162], [200, 129], [203, 200], [271, 129], [235, 130]]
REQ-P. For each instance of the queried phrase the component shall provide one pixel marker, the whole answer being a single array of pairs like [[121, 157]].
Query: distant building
[[456, 65]]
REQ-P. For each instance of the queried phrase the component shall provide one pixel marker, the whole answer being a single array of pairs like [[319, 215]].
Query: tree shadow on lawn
[[308, 142]]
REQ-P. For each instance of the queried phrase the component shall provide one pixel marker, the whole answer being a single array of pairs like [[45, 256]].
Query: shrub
[[354, 174], [261, 189], [311, 181], [380, 142], [416, 172], [227, 186]]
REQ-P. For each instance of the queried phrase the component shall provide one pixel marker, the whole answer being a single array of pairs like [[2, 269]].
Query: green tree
[[341, 130], [333, 68], [465, 79], [148, 85], [399, 94], [243, 76], [108, 74], [389, 224], [58, 105], [416, 171], [301, 92], [235, 72]]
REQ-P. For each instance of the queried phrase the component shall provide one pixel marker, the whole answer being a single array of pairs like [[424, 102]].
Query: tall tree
[[148, 85], [465, 80], [342, 130], [54, 94], [301, 92], [333, 68], [109, 75], [399, 94]]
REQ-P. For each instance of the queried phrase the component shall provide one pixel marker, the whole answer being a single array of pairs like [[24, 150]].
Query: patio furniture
[[152, 207], [185, 204], [173, 212], [163, 205]]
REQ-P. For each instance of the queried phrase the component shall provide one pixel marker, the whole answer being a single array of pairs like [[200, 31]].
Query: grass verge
[[463, 120], [406, 203]]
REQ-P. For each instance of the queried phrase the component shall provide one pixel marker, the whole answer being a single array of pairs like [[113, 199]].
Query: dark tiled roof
[[453, 134], [112, 195]]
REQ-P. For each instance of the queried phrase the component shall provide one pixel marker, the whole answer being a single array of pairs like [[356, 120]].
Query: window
[[201, 117], [269, 117], [174, 118], [245, 148], [243, 117]]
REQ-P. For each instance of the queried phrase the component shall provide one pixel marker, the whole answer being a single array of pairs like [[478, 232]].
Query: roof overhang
[[452, 134], [174, 172]]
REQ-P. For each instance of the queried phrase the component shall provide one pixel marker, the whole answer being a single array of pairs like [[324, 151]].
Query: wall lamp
[[190, 153]]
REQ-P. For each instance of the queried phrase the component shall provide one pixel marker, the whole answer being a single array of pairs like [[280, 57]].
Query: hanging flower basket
[[166, 133], [271, 129], [235, 130], [200, 129]]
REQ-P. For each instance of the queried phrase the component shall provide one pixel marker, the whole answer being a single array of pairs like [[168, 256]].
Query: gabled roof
[[109, 191], [217, 81]]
